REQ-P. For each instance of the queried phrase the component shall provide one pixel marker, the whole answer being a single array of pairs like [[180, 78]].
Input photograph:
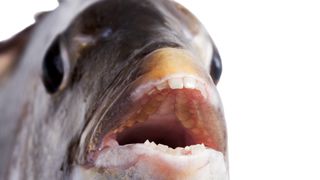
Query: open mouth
[[172, 126]]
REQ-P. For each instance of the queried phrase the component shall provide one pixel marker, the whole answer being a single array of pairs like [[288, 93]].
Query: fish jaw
[[175, 105], [151, 161]]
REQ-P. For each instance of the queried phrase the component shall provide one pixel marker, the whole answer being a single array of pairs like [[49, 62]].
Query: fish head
[[128, 91]]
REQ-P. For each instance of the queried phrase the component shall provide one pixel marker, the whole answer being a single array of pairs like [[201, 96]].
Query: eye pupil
[[216, 66], [53, 67]]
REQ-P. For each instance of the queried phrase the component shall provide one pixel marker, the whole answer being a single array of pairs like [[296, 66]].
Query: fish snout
[[167, 63]]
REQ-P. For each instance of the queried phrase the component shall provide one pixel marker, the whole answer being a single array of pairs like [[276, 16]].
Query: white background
[[270, 84]]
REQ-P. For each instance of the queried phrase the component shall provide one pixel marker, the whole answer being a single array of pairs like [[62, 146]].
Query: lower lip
[[150, 161]]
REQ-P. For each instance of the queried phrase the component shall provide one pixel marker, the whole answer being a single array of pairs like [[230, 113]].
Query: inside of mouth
[[168, 132], [168, 117], [160, 130]]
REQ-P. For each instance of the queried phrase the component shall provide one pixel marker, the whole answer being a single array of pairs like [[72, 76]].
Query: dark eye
[[53, 67], [216, 65]]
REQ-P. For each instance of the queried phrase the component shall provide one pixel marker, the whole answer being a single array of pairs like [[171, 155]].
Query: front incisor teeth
[[176, 83], [189, 82], [180, 83]]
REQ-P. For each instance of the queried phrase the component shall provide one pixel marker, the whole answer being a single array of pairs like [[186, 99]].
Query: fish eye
[[216, 65], [54, 67]]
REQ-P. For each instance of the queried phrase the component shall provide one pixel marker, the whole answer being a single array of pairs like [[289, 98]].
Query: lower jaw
[[150, 161]]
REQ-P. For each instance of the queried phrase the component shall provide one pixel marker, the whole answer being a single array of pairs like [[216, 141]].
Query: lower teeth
[[178, 150]]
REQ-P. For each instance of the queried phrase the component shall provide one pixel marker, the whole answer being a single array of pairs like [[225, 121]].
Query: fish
[[112, 89]]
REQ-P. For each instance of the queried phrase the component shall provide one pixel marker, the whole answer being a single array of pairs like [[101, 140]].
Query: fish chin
[[151, 161]]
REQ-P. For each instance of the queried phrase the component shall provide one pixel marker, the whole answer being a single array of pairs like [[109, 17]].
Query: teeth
[[147, 142], [184, 113], [179, 83], [189, 82], [198, 147], [178, 150], [163, 147], [151, 91], [153, 144], [176, 83], [162, 86]]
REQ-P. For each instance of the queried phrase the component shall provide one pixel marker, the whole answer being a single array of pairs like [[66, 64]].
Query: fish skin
[[40, 132]]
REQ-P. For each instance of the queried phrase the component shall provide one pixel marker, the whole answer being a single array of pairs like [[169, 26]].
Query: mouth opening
[[170, 129], [173, 114], [160, 129]]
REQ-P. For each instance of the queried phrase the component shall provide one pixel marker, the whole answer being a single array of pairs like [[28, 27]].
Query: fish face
[[128, 91]]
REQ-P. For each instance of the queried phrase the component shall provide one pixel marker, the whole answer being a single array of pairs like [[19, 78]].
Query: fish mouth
[[175, 124], [173, 112], [172, 127]]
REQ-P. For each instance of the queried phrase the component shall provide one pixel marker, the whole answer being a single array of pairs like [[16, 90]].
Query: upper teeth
[[176, 83], [189, 82], [183, 82], [172, 82]]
